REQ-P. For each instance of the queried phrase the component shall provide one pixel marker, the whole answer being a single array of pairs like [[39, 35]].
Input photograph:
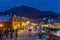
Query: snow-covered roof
[[5, 18]]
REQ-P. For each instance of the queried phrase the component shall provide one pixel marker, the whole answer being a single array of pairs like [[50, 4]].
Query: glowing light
[[45, 25], [28, 22], [1, 25], [34, 24]]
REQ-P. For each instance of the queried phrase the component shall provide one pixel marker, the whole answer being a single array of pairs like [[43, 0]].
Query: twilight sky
[[44, 5]]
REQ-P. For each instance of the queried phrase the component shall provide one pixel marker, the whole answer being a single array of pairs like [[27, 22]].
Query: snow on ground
[[23, 35]]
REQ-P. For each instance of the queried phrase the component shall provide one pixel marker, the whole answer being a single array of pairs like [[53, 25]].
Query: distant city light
[[7, 15]]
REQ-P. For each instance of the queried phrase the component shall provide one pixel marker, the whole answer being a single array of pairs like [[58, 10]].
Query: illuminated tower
[[14, 18], [18, 19], [15, 22], [18, 22]]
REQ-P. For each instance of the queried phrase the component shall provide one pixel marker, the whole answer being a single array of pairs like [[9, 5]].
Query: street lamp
[[1, 25]]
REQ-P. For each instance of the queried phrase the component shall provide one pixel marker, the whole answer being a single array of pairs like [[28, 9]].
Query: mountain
[[30, 12], [1, 13]]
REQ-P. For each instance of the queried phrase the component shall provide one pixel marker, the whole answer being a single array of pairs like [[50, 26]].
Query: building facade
[[10, 22]]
